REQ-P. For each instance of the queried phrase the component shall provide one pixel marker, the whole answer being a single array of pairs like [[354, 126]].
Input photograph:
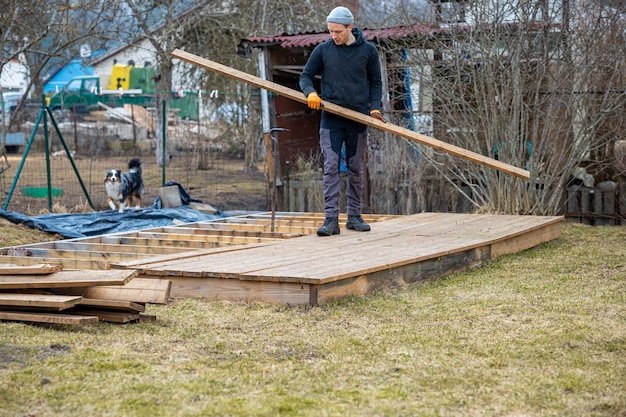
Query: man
[[350, 72]]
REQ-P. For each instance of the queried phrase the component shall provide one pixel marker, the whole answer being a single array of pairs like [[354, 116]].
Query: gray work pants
[[331, 142]]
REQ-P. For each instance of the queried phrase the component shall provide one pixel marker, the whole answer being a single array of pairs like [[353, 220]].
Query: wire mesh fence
[[38, 176]]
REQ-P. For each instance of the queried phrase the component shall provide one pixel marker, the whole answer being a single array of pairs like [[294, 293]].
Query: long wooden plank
[[8, 269], [225, 289], [218, 240], [68, 278], [67, 263], [352, 115], [113, 304], [109, 316], [183, 245], [108, 248], [139, 290], [86, 255], [198, 229], [59, 302], [47, 318], [139, 264]]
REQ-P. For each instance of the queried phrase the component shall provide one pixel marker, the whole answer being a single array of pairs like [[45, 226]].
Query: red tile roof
[[313, 38], [308, 39]]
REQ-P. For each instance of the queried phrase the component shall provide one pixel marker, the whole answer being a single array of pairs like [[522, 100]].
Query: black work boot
[[357, 223], [330, 227]]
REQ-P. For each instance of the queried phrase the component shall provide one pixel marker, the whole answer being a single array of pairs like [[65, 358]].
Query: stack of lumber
[[142, 116], [46, 293]]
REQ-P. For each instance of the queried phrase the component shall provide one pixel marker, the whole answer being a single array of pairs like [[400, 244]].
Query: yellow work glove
[[314, 101], [376, 114]]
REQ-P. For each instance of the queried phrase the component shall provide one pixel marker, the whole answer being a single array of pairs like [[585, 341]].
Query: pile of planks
[[46, 293]]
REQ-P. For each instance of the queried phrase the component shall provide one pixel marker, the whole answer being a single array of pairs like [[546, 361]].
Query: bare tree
[[535, 84], [42, 34], [162, 39], [214, 31]]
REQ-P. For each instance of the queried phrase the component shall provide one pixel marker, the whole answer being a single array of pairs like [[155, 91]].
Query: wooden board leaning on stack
[[46, 293]]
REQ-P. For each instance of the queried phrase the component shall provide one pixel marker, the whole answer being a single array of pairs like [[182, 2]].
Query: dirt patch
[[11, 354], [226, 185]]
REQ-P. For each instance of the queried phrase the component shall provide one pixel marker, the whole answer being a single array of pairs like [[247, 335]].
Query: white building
[[14, 77]]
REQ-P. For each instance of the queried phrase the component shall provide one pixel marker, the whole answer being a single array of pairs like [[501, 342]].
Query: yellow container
[[120, 77]]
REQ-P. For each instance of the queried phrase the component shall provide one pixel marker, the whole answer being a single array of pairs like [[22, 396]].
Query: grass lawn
[[539, 333]]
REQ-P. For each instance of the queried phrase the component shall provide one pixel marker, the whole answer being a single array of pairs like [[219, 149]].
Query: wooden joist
[[209, 230], [66, 263], [208, 239], [36, 269], [183, 245], [137, 250], [85, 255]]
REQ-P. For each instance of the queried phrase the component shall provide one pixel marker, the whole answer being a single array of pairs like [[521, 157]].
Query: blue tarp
[[76, 225]]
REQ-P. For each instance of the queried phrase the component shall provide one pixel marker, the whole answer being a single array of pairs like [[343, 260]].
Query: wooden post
[[351, 114]]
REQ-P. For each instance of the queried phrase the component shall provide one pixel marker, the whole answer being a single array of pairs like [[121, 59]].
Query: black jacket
[[350, 77]]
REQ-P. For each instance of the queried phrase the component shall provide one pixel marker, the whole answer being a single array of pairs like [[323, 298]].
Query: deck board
[[242, 258], [314, 260]]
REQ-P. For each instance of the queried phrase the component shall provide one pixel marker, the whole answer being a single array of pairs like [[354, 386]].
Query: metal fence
[[204, 157]]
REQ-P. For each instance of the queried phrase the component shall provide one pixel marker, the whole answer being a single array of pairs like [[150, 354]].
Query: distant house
[[140, 53], [15, 77]]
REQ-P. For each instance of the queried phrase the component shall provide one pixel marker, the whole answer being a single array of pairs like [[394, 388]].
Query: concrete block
[[170, 196]]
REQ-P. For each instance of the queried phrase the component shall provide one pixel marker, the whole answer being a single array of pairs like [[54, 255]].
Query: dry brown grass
[[538, 333], [225, 185]]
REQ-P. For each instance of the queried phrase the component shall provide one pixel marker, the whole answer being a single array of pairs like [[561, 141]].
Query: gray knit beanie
[[340, 15]]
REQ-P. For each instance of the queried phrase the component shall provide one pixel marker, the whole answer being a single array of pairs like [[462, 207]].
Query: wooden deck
[[255, 257]]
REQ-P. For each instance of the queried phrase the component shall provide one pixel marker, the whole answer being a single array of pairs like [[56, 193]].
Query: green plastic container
[[41, 192]]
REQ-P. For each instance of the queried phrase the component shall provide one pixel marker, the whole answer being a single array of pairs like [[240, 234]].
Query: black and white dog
[[124, 188]]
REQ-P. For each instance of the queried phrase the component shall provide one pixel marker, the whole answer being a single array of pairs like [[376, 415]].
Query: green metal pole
[[164, 123], [69, 156], [46, 144], [26, 150]]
